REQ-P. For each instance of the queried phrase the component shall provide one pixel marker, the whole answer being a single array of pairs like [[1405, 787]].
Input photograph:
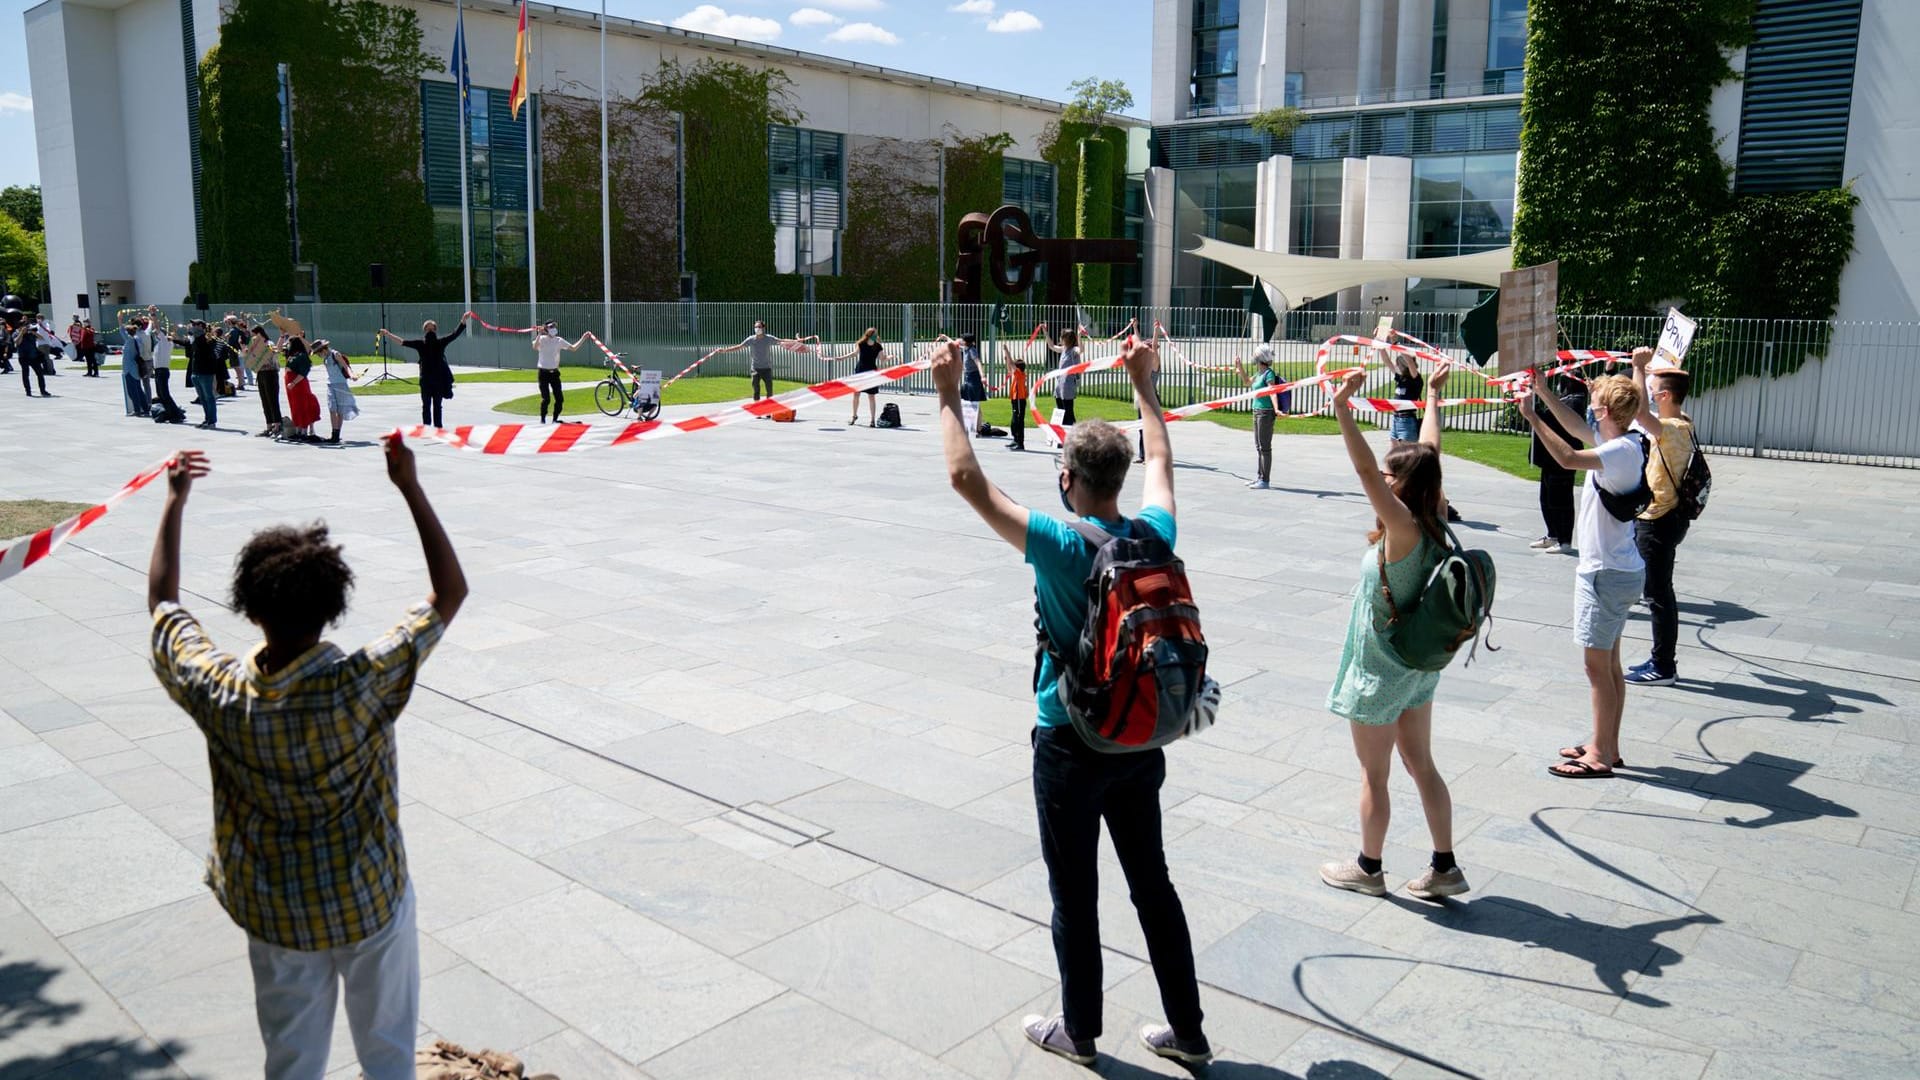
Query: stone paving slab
[[723, 771]]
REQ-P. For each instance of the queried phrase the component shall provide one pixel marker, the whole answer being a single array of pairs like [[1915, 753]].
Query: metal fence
[[1805, 390]]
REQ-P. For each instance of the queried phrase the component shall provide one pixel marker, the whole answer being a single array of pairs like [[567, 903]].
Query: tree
[[1095, 100], [23, 257], [1277, 123], [22, 204]]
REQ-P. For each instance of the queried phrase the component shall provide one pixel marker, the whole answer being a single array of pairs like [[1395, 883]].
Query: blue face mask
[[1593, 420]]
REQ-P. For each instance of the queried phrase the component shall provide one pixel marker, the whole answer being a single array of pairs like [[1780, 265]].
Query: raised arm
[[1008, 519], [448, 582], [579, 341], [1648, 419], [163, 571], [1568, 456], [1393, 513], [1432, 423], [1157, 480], [457, 331], [1573, 424]]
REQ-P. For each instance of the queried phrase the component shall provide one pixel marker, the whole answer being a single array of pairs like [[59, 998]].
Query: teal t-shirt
[[1061, 560], [1261, 381]]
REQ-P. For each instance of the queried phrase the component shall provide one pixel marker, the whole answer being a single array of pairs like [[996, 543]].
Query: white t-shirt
[[1606, 542], [550, 346]]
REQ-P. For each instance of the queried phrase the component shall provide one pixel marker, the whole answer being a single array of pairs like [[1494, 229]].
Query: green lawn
[[568, 374], [21, 517], [707, 390]]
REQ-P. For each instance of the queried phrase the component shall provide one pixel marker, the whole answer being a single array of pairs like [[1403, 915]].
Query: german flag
[[518, 95]]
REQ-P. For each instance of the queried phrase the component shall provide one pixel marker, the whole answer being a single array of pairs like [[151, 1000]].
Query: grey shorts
[[1601, 600]]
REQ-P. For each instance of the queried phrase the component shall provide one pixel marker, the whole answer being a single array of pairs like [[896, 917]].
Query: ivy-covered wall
[[890, 248], [1622, 181], [644, 207], [1094, 216], [1060, 147]]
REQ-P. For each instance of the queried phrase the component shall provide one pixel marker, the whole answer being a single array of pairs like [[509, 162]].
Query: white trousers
[[294, 993]]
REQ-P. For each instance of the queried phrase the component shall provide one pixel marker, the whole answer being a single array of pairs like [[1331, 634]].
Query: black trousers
[[1556, 501], [760, 374], [430, 410], [550, 385], [268, 382], [1074, 789], [92, 357], [1066, 411], [32, 369], [1659, 541], [1019, 420]]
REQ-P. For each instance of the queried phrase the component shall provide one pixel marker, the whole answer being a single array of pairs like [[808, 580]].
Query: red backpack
[[1136, 678]]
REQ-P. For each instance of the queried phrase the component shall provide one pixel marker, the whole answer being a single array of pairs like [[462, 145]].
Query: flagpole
[[606, 204], [466, 220], [533, 259]]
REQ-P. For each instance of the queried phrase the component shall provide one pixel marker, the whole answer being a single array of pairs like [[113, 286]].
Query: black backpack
[[889, 415], [1692, 488], [1627, 505]]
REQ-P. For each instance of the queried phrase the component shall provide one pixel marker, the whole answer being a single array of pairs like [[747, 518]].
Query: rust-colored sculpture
[[982, 246]]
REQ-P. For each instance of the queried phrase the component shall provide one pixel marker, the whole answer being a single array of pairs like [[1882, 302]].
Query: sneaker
[[1434, 884], [1648, 675], [1049, 1033], [1348, 875], [1015, 446], [1161, 1040], [1545, 543]]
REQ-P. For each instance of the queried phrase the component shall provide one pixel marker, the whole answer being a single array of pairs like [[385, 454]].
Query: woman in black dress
[[436, 377], [869, 350]]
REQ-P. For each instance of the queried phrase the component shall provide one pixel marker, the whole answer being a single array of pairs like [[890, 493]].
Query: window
[[806, 198], [1029, 186], [496, 175], [1796, 95], [1216, 203], [1437, 82], [1506, 46], [1315, 229], [1215, 85], [1296, 88], [1462, 203]]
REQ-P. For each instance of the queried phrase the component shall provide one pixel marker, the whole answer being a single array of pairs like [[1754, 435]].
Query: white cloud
[[865, 32], [973, 7], [709, 19], [11, 102], [807, 16], [1015, 22], [852, 5]]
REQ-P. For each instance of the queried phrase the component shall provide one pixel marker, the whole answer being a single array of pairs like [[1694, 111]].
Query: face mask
[[1593, 421], [1064, 501]]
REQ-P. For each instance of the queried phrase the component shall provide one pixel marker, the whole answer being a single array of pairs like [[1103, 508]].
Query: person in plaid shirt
[[307, 856]]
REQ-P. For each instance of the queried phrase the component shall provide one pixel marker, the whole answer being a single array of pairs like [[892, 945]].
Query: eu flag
[[458, 67]]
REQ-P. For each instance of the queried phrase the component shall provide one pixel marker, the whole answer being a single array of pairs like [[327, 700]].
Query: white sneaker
[[1348, 875], [1544, 543], [1553, 548]]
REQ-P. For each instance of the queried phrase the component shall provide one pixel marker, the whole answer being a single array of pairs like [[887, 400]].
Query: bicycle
[[614, 397]]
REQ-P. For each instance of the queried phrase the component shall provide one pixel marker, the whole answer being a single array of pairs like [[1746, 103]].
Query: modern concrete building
[[115, 112], [1412, 136]]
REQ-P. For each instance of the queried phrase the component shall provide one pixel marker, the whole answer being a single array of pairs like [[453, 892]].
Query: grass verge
[[23, 517], [708, 390]]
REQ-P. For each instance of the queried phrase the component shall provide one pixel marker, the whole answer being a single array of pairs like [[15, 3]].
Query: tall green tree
[[23, 257], [22, 204]]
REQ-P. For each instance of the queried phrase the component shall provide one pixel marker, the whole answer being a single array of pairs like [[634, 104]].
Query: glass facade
[[1315, 228], [1506, 46], [496, 177], [1461, 204], [1219, 204], [1215, 85], [806, 199], [1029, 185]]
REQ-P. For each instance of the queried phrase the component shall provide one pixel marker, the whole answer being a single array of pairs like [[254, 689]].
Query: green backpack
[[1453, 606]]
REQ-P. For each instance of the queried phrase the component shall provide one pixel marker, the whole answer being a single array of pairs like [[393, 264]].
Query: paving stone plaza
[[723, 771]]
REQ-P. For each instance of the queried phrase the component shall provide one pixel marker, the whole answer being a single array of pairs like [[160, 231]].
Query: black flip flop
[[1585, 771], [1581, 751]]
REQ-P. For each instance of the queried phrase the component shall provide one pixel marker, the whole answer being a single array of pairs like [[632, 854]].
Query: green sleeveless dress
[[1372, 686]]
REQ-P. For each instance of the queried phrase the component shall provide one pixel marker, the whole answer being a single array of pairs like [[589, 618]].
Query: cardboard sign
[[1675, 339], [649, 386], [1528, 323]]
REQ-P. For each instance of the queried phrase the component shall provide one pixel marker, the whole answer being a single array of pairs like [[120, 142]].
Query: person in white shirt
[[1611, 571], [549, 344]]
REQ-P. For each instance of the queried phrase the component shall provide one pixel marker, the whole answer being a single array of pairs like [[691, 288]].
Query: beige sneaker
[[1348, 875], [1434, 884]]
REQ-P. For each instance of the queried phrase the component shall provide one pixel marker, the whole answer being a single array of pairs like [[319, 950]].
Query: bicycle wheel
[[647, 410], [610, 397]]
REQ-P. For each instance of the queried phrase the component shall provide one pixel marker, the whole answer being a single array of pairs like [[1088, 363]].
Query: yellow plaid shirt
[[306, 828]]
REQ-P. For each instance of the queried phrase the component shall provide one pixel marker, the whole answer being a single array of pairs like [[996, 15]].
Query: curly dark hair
[[291, 581]]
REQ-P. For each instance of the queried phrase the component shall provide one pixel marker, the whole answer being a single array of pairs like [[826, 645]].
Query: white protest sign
[[1675, 338], [649, 386]]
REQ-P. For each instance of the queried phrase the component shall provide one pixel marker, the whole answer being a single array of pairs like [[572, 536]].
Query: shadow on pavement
[[1760, 779], [24, 1005]]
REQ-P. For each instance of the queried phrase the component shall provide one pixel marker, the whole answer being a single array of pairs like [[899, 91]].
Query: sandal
[[1580, 770], [1581, 751]]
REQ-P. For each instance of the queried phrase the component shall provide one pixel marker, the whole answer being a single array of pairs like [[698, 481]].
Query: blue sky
[[1030, 46]]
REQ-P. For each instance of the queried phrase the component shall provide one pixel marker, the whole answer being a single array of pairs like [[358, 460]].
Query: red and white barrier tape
[[45, 542], [1058, 432]]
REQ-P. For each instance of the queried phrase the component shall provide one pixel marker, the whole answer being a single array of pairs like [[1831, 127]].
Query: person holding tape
[[1265, 412], [868, 352], [549, 344], [1068, 387], [1662, 527], [759, 347], [436, 375], [1388, 705]]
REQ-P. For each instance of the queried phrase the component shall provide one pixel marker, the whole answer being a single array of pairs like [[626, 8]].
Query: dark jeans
[[550, 384], [430, 409], [1556, 501], [31, 369], [1019, 421], [760, 374], [1263, 442], [92, 357], [204, 385], [1074, 787], [1659, 541], [269, 384], [1066, 411]]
